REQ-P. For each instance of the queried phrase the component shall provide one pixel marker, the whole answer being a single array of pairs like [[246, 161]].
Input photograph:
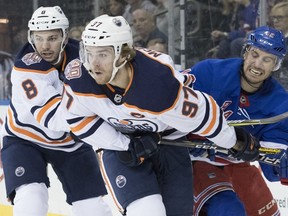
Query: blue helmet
[[269, 40]]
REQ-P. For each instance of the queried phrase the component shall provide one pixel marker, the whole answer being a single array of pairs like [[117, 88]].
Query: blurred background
[[192, 29]]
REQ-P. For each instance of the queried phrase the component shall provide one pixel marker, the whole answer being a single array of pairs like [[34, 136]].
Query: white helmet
[[48, 18], [107, 31]]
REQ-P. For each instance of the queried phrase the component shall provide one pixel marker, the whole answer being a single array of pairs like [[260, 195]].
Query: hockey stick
[[246, 122], [263, 158], [210, 145]]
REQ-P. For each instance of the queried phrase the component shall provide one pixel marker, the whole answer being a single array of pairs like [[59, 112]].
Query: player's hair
[[269, 40], [109, 31]]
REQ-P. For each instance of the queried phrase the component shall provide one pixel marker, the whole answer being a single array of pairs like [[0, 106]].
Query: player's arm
[[49, 113], [89, 127], [93, 130], [38, 92], [198, 113]]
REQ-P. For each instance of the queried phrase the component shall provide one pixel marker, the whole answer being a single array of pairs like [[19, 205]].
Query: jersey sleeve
[[89, 127], [49, 113], [198, 113], [38, 92]]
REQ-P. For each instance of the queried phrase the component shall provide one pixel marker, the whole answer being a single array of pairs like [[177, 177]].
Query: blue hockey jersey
[[220, 78]]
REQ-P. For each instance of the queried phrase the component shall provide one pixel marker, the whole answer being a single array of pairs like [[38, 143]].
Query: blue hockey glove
[[283, 169], [198, 152], [246, 148], [140, 148]]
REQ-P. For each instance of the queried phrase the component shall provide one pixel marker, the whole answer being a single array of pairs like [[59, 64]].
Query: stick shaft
[[210, 145], [247, 122], [263, 158]]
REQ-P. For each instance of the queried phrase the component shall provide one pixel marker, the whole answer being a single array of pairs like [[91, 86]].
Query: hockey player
[[139, 94], [27, 146], [244, 89]]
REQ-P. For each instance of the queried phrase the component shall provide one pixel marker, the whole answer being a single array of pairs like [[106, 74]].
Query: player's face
[[258, 66], [48, 44], [101, 62]]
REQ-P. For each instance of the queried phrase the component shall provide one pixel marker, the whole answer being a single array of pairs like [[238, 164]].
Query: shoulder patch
[[73, 69], [31, 58]]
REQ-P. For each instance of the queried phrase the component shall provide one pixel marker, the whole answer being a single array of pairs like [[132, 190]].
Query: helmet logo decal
[[269, 34], [265, 42], [117, 22]]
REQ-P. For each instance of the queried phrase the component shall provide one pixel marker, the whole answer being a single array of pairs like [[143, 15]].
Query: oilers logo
[[120, 181], [132, 125], [19, 171], [117, 22]]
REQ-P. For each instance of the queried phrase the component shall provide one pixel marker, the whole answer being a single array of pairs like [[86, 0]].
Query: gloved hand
[[246, 147], [140, 148], [197, 152], [283, 169], [200, 152]]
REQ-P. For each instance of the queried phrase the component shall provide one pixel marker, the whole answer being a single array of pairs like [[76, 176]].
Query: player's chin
[[100, 80], [50, 60]]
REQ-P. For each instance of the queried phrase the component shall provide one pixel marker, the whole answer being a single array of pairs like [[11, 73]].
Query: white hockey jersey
[[36, 82], [155, 100]]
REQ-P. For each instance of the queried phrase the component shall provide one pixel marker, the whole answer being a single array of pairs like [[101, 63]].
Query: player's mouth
[[47, 55], [97, 73], [255, 72]]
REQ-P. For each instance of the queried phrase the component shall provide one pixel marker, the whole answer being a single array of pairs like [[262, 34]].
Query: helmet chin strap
[[61, 51], [116, 69], [59, 56]]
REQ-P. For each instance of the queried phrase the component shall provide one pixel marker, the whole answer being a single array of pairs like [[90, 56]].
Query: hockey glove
[[196, 152], [246, 148], [140, 148], [200, 152], [283, 171]]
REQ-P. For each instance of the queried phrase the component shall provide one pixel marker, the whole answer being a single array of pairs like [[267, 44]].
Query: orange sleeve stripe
[[32, 135], [46, 107], [33, 71], [83, 124], [213, 121]]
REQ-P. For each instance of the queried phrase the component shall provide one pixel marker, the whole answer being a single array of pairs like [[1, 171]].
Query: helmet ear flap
[[278, 64]]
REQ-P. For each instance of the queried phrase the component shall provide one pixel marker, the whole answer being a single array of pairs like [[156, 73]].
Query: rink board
[[58, 206]]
